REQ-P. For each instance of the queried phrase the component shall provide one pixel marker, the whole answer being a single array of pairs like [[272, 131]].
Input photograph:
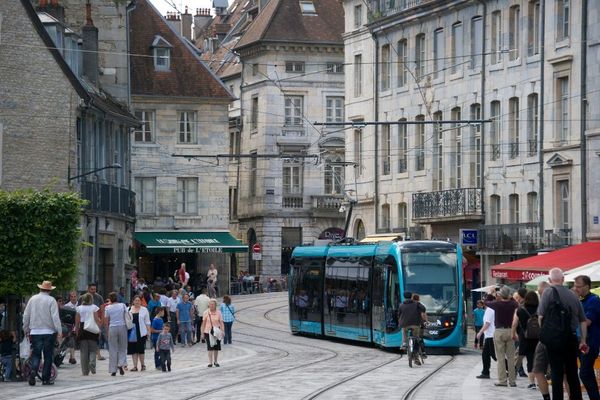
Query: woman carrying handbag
[[212, 326], [87, 326]]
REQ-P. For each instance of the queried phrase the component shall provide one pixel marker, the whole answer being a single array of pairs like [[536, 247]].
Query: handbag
[[132, 336], [90, 324], [128, 318]]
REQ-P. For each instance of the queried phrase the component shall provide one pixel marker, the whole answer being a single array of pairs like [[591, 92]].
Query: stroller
[[67, 319]]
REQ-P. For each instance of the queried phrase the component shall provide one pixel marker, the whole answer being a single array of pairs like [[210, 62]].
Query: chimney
[[90, 46], [201, 21], [53, 8], [174, 21], [186, 24]]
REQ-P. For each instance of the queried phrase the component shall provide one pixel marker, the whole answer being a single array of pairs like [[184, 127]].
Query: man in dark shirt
[[504, 310], [591, 306], [564, 362], [410, 316]]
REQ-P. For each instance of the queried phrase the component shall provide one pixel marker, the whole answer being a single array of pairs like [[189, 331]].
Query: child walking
[[165, 346], [156, 329]]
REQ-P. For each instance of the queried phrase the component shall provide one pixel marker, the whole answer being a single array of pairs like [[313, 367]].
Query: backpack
[[532, 326], [556, 324]]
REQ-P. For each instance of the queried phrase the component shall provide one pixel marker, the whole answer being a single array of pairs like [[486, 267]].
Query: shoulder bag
[[90, 324], [128, 318]]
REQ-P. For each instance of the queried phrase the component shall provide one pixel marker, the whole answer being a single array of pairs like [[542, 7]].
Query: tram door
[[386, 289]]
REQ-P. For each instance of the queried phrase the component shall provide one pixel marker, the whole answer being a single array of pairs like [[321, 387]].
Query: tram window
[[347, 295], [434, 276], [306, 290]]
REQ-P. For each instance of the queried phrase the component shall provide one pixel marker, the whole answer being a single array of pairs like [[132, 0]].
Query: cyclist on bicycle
[[410, 317]]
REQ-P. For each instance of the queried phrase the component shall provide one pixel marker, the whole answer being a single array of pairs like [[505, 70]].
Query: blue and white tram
[[353, 291]]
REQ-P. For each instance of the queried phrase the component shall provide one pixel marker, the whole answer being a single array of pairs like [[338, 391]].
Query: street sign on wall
[[256, 252], [469, 237]]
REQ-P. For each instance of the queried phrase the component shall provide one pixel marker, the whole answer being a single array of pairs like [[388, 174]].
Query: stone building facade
[[184, 109], [73, 135], [515, 178], [289, 186]]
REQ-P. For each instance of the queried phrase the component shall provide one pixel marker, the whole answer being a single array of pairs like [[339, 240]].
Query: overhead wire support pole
[[440, 122]]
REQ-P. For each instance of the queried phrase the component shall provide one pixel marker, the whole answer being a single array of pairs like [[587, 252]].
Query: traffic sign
[[256, 248]]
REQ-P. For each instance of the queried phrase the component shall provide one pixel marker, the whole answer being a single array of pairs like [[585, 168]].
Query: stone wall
[[38, 108]]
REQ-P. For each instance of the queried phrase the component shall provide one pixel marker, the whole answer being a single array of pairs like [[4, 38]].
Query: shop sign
[[515, 275], [469, 237], [198, 250], [332, 234]]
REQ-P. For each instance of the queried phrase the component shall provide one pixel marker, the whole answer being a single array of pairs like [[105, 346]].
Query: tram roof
[[369, 249]]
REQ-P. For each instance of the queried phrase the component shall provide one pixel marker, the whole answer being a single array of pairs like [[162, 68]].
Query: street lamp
[[70, 178]]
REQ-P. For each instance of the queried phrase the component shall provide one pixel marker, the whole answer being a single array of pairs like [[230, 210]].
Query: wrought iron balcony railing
[[532, 147], [452, 204], [514, 150], [495, 152], [402, 165], [557, 238], [524, 237], [108, 198]]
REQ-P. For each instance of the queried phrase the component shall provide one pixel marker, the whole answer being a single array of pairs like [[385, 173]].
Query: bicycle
[[414, 349]]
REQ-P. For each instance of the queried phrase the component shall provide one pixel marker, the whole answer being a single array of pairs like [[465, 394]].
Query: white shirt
[[489, 316], [116, 313], [164, 300], [41, 315], [84, 311], [172, 303], [71, 306]]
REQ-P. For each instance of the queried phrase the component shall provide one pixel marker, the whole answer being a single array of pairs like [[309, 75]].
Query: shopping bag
[[90, 324], [24, 348], [132, 337]]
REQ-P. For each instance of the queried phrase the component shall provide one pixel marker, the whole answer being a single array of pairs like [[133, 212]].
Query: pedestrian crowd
[[165, 318], [555, 332]]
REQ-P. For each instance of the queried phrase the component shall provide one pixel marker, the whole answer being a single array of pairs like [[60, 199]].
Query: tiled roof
[[283, 21], [187, 77]]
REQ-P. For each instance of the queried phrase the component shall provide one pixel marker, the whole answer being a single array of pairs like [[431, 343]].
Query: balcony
[[532, 147], [108, 198], [495, 152], [447, 205], [294, 135], [514, 150], [510, 238], [327, 206], [557, 238], [294, 201], [384, 9]]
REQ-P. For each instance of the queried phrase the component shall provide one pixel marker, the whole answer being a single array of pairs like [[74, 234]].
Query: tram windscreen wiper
[[447, 304]]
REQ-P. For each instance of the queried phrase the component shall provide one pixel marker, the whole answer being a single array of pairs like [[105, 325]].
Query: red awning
[[566, 259]]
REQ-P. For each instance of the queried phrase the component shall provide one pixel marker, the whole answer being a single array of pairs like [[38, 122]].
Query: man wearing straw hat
[[42, 323]]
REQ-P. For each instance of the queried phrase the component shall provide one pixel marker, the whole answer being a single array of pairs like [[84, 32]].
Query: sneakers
[[482, 376], [532, 386], [500, 384], [513, 384]]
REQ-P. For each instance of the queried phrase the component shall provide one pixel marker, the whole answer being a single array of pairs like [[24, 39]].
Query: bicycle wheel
[[409, 351]]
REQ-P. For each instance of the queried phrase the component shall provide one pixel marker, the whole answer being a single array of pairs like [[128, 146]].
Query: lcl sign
[[468, 237]]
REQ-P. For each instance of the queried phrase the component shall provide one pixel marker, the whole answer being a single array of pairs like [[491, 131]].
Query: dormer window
[[161, 50], [308, 8]]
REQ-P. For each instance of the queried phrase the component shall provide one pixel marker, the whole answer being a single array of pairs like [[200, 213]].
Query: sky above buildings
[[165, 5]]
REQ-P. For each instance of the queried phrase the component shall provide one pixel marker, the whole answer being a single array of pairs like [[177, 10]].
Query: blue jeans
[[7, 364], [42, 344], [185, 332], [586, 372], [156, 353], [227, 338]]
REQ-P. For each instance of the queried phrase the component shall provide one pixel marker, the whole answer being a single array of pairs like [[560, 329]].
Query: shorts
[[540, 359]]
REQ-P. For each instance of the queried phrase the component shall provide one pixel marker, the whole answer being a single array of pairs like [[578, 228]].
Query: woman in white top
[[88, 341], [141, 326], [114, 317]]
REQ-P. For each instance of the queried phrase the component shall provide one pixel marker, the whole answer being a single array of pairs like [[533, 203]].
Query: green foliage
[[39, 236]]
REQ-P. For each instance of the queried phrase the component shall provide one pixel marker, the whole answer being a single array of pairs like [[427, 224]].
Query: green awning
[[189, 242]]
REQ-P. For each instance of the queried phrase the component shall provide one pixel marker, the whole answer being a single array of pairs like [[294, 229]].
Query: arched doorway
[[359, 230], [251, 236]]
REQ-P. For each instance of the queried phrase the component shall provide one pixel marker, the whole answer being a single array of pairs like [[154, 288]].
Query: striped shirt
[[228, 312]]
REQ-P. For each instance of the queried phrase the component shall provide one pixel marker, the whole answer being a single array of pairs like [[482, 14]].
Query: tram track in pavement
[[411, 393]]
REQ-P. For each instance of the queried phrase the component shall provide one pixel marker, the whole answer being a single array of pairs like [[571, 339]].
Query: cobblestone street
[[266, 361]]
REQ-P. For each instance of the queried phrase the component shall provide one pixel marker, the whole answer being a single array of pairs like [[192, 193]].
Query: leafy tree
[[39, 236]]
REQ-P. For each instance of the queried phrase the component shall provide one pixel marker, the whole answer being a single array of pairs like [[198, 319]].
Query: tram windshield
[[433, 276]]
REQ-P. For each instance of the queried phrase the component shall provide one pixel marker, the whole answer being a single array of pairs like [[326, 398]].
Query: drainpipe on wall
[[541, 113], [583, 122], [376, 128], [481, 182]]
